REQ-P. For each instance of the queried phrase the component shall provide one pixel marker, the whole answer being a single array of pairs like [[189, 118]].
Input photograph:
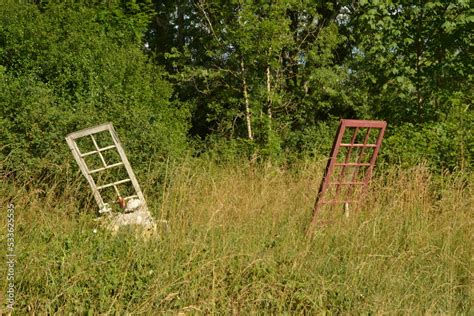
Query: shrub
[[65, 67]]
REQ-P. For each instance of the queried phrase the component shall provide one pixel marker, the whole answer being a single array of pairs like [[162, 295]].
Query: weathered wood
[[95, 151], [113, 184], [79, 157], [126, 163], [107, 167], [89, 131], [85, 171]]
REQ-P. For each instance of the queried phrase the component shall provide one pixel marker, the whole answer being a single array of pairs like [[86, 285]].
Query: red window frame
[[337, 176]]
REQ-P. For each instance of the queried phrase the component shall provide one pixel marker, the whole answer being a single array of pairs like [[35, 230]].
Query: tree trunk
[[180, 22], [248, 114], [269, 97]]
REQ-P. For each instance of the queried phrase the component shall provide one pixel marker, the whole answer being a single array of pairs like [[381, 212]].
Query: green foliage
[[266, 80], [67, 66], [297, 65], [413, 59], [314, 141], [276, 57], [413, 63], [443, 145]]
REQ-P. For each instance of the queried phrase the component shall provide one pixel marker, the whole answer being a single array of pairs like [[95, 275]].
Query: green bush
[[444, 145], [65, 67]]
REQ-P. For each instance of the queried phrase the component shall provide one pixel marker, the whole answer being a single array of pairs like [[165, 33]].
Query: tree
[[413, 58], [263, 71], [414, 61]]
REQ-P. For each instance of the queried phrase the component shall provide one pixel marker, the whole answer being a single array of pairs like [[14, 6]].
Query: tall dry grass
[[237, 245]]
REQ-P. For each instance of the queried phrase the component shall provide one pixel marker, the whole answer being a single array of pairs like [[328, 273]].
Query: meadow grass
[[238, 244]]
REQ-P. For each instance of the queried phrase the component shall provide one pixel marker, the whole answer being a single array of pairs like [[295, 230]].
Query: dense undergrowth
[[237, 244]]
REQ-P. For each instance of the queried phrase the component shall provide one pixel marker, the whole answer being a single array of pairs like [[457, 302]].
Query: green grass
[[237, 245]]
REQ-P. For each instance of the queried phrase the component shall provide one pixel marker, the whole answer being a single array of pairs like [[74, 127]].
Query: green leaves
[[72, 67], [268, 73], [274, 58]]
